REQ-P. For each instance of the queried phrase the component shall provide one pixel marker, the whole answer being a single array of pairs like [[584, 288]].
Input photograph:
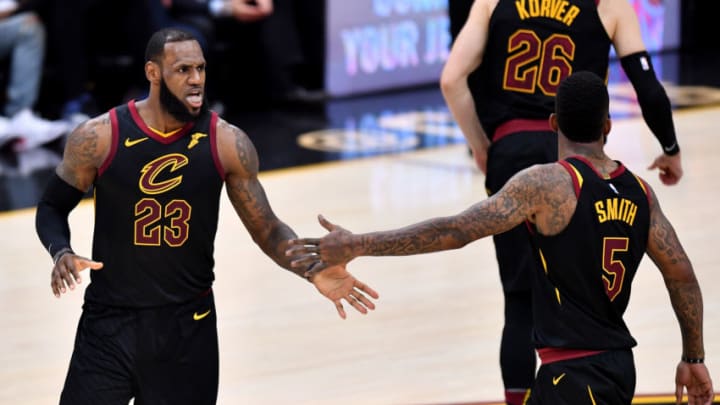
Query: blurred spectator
[[87, 33], [22, 41], [275, 44], [201, 14], [293, 39], [188, 15]]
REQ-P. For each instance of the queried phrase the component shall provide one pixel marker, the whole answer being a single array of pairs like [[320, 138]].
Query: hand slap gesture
[[337, 284], [315, 255], [66, 272]]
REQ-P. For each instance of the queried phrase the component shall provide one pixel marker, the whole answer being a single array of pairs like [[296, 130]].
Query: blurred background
[[313, 81]]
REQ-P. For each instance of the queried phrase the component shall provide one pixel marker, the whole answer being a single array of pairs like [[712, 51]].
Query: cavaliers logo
[[162, 167]]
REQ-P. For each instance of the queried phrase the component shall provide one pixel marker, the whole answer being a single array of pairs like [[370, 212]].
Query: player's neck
[[155, 116], [593, 153]]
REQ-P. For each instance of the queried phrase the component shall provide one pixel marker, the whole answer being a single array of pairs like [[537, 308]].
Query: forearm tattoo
[[250, 202], [686, 299], [429, 236], [443, 233], [666, 251], [516, 202]]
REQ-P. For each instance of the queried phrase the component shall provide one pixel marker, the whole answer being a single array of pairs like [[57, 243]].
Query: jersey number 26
[[534, 63]]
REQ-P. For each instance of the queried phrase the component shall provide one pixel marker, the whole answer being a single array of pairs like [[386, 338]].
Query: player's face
[[182, 86]]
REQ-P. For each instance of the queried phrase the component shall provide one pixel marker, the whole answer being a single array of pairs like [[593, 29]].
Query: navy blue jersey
[[532, 45], [582, 285], [156, 213]]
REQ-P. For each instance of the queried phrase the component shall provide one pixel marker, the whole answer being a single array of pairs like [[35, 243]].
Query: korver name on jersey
[[555, 9]]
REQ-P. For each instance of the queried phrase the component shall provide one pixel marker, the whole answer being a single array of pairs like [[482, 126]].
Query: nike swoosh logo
[[557, 379], [132, 142], [198, 317]]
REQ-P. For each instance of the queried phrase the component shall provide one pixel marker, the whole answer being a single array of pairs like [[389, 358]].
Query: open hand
[[66, 272], [337, 284]]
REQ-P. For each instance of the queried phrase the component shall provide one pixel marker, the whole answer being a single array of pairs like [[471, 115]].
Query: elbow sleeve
[[51, 218], [653, 99]]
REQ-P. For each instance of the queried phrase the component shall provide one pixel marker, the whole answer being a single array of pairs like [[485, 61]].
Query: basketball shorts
[[164, 355], [604, 378]]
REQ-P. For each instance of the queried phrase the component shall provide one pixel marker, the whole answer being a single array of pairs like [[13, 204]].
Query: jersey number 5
[[535, 63], [614, 269]]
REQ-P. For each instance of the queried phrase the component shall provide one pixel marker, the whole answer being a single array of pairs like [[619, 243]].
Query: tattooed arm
[[86, 149], [665, 250], [240, 160], [542, 194], [667, 253], [247, 195]]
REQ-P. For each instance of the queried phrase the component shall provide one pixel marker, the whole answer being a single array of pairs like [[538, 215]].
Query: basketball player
[[520, 52], [591, 221], [157, 166]]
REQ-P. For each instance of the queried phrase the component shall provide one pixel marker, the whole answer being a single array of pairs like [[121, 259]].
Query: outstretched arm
[[541, 194], [665, 250], [86, 148], [494, 215], [248, 197]]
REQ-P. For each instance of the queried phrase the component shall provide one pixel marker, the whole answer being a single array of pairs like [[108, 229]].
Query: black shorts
[[165, 355], [604, 378], [507, 157]]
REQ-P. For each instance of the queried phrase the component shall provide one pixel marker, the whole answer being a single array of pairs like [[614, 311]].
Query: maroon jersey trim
[[214, 145], [645, 187], [573, 175], [530, 227], [615, 173], [552, 354], [520, 125], [150, 133], [114, 136]]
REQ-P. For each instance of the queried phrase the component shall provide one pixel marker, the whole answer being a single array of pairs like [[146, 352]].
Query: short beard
[[175, 107]]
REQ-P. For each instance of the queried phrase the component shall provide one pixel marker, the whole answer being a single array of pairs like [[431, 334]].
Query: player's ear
[[607, 126], [553, 122], [153, 71]]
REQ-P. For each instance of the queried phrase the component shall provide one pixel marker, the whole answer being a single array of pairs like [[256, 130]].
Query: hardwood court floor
[[434, 336]]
